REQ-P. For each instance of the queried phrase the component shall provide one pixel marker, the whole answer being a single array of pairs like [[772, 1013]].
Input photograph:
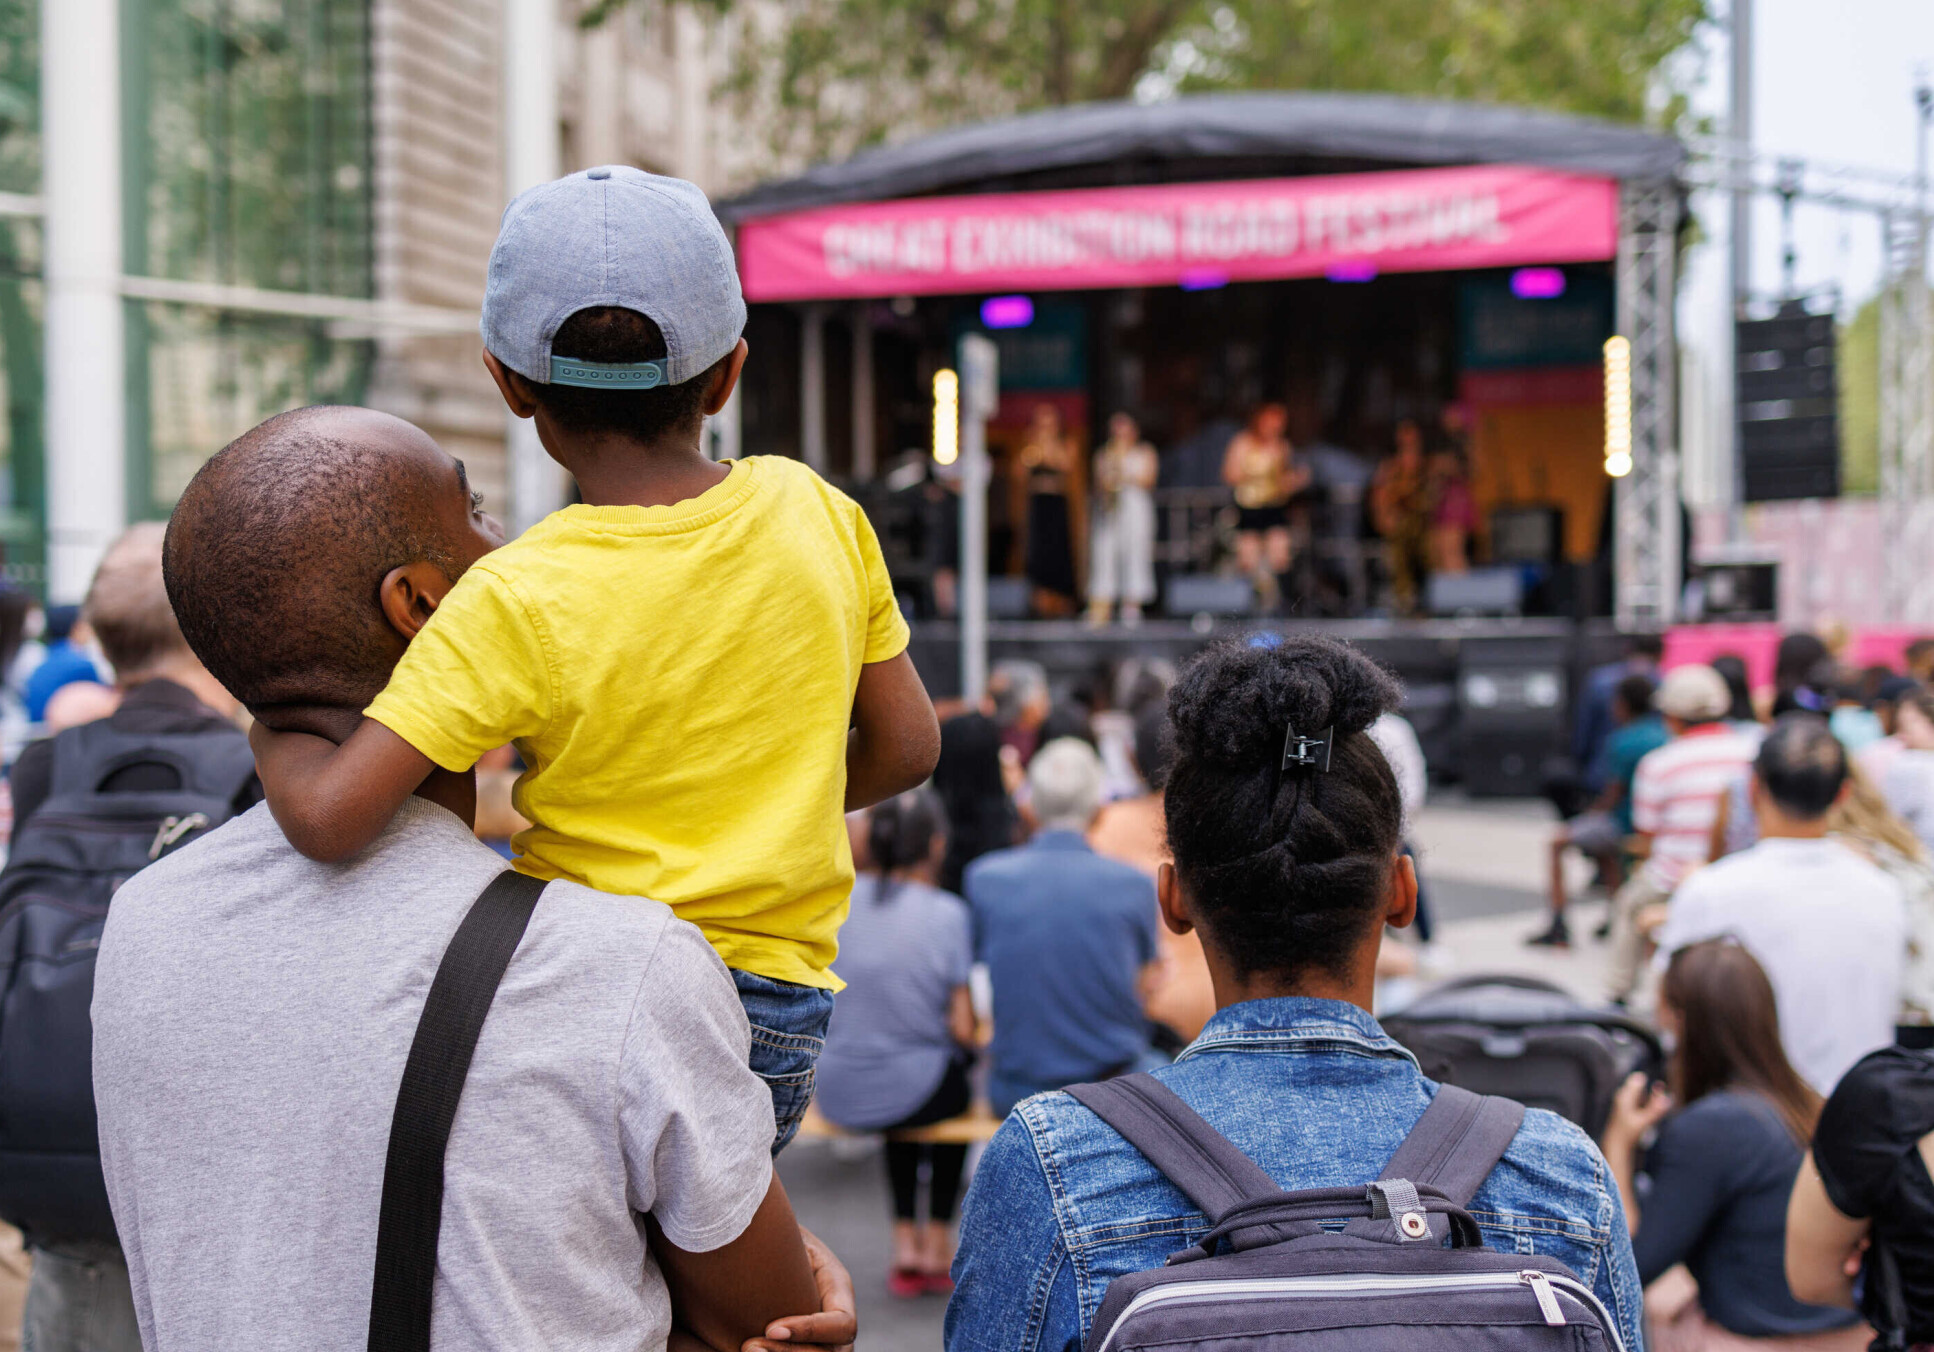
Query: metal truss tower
[[1646, 562], [1907, 420]]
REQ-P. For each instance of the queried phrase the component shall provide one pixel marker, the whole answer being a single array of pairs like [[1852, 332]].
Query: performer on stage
[[1121, 561], [1400, 510], [1261, 467], [1049, 459]]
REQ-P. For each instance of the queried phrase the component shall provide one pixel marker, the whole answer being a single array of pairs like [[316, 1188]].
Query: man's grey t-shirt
[[252, 1013]]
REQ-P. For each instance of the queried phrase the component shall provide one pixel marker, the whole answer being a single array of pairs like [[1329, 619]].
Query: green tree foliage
[[828, 77], [1858, 369]]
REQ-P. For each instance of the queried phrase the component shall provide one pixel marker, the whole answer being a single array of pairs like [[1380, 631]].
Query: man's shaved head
[[277, 550]]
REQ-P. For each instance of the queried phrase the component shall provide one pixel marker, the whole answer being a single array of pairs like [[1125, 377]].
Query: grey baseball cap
[[612, 236]]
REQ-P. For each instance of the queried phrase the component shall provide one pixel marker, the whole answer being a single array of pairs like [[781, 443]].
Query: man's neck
[[1790, 828], [614, 471]]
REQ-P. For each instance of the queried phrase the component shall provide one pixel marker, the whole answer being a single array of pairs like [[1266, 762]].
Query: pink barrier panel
[[1758, 644], [1205, 234], [1881, 645]]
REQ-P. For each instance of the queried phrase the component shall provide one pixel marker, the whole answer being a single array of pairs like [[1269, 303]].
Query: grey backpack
[[1364, 1269]]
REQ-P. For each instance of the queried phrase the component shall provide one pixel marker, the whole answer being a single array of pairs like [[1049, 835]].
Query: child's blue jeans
[[788, 1030]]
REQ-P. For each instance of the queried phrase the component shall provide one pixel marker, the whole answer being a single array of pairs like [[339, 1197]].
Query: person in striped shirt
[[1675, 800]]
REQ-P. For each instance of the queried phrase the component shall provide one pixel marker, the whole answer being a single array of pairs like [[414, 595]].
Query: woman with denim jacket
[[1290, 873]]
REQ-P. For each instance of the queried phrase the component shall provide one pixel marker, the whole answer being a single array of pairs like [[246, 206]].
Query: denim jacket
[[1315, 1093]]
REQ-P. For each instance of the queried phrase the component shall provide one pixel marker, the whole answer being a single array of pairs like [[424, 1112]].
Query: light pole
[[530, 157], [979, 398], [86, 380]]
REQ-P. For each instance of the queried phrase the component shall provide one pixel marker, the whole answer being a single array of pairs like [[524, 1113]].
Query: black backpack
[[66, 863], [1363, 1269]]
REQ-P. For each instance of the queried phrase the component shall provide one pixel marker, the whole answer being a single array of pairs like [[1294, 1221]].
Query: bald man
[[608, 1175]]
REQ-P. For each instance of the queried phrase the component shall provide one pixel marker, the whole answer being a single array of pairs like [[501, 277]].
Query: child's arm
[[332, 801], [895, 741]]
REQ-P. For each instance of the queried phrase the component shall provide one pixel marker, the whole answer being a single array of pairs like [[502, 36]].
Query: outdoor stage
[[1491, 699]]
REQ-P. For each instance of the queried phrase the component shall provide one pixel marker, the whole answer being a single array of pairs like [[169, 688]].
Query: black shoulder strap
[[1456, 1143], [426, 1104], [1191, 1154]]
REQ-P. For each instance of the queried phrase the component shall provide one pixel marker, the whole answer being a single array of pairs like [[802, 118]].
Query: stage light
[[1618, 407], [946, 417], [1203, 279], [1007, 312], [1352, 272], [1538, 283]]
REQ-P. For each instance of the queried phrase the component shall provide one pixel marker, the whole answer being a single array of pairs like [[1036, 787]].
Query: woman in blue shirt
[[1722, 1164], [1290, 874], [896, 1052]]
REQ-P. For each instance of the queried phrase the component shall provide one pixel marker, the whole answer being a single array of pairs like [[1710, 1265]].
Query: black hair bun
[[1237, 701]]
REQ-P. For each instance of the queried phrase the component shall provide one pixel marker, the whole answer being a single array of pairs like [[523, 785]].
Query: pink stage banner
[[1201, 234]]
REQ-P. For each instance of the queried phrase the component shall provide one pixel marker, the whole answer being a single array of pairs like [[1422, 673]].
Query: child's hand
[[835, 1325]]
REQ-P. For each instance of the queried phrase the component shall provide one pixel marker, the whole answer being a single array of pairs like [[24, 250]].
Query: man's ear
[[517, 390], [409, 595], [721, 391]]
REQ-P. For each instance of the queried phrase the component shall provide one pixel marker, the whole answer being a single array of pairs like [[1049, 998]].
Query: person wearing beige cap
[[1675, 798]]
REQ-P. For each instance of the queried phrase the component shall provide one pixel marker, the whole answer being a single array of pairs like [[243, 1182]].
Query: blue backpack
[[66, 863]]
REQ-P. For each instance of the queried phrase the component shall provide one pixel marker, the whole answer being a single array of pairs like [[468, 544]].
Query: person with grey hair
[[1068, 938]]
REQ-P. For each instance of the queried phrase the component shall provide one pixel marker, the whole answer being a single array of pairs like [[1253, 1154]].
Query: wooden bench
[[978, 1124]]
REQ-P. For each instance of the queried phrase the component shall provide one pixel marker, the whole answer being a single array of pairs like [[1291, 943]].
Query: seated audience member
[[1731, 1133], [1888, 699], [1863, 823], [900, 1043], [608, 1178], [1178, 998], [1863, 1204], [973, 795], [1067, 937], [65, 661], [1828, 927], [1599, 832], [1675, 798], [1291, 876], [1908, 777]]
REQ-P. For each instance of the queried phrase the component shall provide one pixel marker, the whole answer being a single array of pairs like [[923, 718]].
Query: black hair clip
[[1309, 753]]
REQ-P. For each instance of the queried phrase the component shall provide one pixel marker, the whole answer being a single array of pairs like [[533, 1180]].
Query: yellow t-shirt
[[680, 682]]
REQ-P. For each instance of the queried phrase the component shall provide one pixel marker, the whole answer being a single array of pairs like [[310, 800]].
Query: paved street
[[1484, 865]]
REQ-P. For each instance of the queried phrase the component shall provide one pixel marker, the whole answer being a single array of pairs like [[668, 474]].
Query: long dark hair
[[1730, 1036], [968, 781], [900, 833]]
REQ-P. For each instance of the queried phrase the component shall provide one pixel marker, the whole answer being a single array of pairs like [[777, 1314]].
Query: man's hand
[[834, 1326]]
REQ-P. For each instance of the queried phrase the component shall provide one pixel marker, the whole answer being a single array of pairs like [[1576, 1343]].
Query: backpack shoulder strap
[[1193, 1155], [426, 1105], [1456, 1143]]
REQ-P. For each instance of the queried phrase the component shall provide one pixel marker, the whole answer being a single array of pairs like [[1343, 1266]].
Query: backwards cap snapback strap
[[607, 375]]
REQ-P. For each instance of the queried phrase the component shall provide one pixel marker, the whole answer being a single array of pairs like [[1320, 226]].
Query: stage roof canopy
[[1217, 136]]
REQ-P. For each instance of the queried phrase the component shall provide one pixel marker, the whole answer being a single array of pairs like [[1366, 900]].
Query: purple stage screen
[[1007, 312], [1538, 283], [1351, 271]]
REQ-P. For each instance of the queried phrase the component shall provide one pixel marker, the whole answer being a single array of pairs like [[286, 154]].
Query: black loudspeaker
[[1735, 591], [1207, 594], [1511, 701], [1527, 534], [1788, 426]]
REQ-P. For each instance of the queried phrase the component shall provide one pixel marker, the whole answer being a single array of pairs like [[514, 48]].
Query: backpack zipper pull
[[1547, 1299], [173, 829]]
